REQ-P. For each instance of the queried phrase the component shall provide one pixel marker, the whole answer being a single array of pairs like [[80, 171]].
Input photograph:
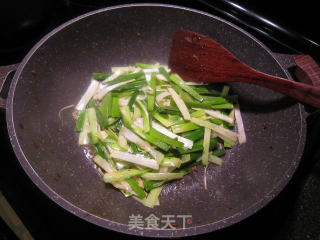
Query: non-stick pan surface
[[56, 73]]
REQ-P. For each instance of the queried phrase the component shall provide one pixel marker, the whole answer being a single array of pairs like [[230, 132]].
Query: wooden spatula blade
[[196, 57]]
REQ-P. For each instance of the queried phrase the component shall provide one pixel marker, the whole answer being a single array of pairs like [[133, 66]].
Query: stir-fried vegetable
[[148, 127]]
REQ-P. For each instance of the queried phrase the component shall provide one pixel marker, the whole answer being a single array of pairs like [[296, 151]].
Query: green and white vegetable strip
[[148, 127], [133, 158], [180, 104], [87, 95]]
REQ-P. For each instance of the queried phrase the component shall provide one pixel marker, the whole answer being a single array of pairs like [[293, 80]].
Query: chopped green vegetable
[[126, 116], [146, 66], [148, 185], [196, 134], [80, 120], [219, 152], [145, 116], [165, 138], [125, 77], [122, 175], [93, 123], [206, 145], [147, 127], [106, 105], [184, 127], [182, 84], [162, 176], [180, 104], [115, 110], [135, 187], [152, 199], [152, 94], [100, 76], [133, 99], [101, 119], [198, 146]]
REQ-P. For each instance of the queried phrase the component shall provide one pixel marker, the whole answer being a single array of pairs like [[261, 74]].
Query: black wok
[[56, 72]]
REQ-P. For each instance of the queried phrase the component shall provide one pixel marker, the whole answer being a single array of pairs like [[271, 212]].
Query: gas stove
[[293, 214]]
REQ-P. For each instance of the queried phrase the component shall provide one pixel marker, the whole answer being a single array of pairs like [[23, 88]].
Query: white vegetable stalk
[[205, 177], [161, 96], [122, 140], [241, 132], [136, 159], [124, 101], [105, 90], [217, 114], [187, 143], [87, 95], [180, 104], [150, 70], [161, 77]]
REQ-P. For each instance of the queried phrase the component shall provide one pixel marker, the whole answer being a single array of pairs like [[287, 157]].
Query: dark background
[[291, 27]]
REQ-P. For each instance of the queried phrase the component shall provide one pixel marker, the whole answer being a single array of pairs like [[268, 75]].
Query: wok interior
[[120, 37]]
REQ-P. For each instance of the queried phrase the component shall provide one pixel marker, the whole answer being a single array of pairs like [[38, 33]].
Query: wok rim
[[122, 228]]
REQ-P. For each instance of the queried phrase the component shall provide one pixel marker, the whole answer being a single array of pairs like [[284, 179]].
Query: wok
[[56, 72]]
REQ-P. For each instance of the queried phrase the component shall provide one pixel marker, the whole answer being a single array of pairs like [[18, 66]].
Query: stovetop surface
[[293, 214]]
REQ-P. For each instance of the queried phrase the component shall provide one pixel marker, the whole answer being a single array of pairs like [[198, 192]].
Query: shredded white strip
[[241, 132], [161, 96], [137, 159], [187, 143], [120, 165], [87, 95], [148, 77], [107, 89], [217, 114], [205, 178], [161, 77], [124, 101], [180, 104], [150, 70]]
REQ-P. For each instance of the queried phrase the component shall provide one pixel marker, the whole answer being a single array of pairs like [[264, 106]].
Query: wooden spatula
[[196, 57]]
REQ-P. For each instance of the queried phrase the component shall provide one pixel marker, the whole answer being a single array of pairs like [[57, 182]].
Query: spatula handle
[[305, 93]]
